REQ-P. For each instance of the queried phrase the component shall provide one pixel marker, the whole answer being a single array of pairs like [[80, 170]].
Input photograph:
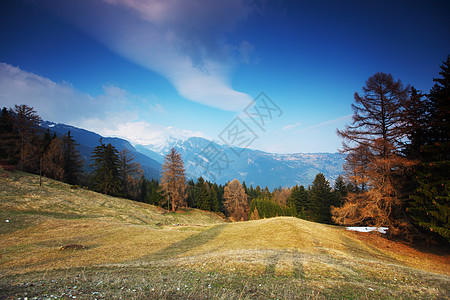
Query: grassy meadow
[[61, 242]]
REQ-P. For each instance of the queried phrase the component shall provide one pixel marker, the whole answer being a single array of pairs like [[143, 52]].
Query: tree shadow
[[273, 260], [186, 245], [367, 252]]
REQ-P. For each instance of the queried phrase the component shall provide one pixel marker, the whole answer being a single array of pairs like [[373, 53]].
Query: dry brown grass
[[137, 247]]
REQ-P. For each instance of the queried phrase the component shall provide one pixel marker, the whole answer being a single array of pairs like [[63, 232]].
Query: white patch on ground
[[368, 229]]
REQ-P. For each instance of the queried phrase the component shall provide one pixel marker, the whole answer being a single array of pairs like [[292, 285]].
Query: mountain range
[[217, 162]]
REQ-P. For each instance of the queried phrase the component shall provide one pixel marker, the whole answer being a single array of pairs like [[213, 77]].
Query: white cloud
[[147, 134], [60, 102], [181, 40], [292, 126], [340, 120], [114, 113]]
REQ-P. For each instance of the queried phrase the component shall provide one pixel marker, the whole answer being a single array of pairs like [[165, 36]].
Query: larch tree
[[173, 180], [235, 201], [26, 123], [281, 196], [374, 142], [53, 160]]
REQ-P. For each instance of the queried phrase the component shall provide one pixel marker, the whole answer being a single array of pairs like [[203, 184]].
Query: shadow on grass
[[294, 255], [367, 252], [188, 244]]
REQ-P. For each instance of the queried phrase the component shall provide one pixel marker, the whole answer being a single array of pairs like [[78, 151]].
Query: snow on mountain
[[221, 163], [217, 162]]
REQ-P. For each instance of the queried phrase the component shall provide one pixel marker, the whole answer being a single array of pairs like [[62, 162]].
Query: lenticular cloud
[[181, 40]]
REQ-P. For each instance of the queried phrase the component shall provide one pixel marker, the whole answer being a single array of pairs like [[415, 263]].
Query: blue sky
[[145, 70]]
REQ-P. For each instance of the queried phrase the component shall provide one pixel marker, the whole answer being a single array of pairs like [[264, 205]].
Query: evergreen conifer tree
[[73, 163], [321, 199], [9, 138], [105, 174]]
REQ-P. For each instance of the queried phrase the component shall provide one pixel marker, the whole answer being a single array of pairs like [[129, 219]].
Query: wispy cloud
[[116, 112], [181, 40], [339, 120], [292, 126]]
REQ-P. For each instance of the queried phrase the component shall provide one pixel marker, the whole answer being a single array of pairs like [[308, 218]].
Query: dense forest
[[396, 171]]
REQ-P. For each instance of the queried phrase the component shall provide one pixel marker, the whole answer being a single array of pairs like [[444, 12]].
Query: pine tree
[[144, 195], [320, 200], [73, 162], [340, 191], [201, 194], [416, 118], [9, 138], [213, 200], [299, 198], [173, 181], [105, 174], [429, 203], [439, 98]]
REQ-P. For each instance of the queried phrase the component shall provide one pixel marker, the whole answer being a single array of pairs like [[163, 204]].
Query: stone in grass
[[72, 247]]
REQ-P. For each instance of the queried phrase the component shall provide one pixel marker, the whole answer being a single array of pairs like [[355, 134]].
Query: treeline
[[24, 145], [238, 201], [396, 172], [398, 158]]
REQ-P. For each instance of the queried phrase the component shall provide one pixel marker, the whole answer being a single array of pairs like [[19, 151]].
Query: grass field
[[61, 242]]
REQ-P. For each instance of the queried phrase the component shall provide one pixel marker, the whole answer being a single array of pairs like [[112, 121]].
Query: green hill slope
[[64, 242]]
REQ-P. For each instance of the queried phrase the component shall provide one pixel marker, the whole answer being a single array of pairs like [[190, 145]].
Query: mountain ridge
[[217, 162]]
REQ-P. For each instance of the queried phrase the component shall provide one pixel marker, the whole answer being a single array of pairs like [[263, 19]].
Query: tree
[[439, 97], [213, 200], [374, 142], [173, 181], [26, 124], [201, 194], [281, 196], [377, 119], [340, 191], [9, 137], [320, 200], [106, 169], [53, 160], [235, 200], [254, 215], [73, 162], [130, 171], [429, 201], [299, 198], [416, 122]]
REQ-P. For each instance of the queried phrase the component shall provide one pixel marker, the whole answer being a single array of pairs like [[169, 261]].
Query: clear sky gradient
[[145, 70]]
